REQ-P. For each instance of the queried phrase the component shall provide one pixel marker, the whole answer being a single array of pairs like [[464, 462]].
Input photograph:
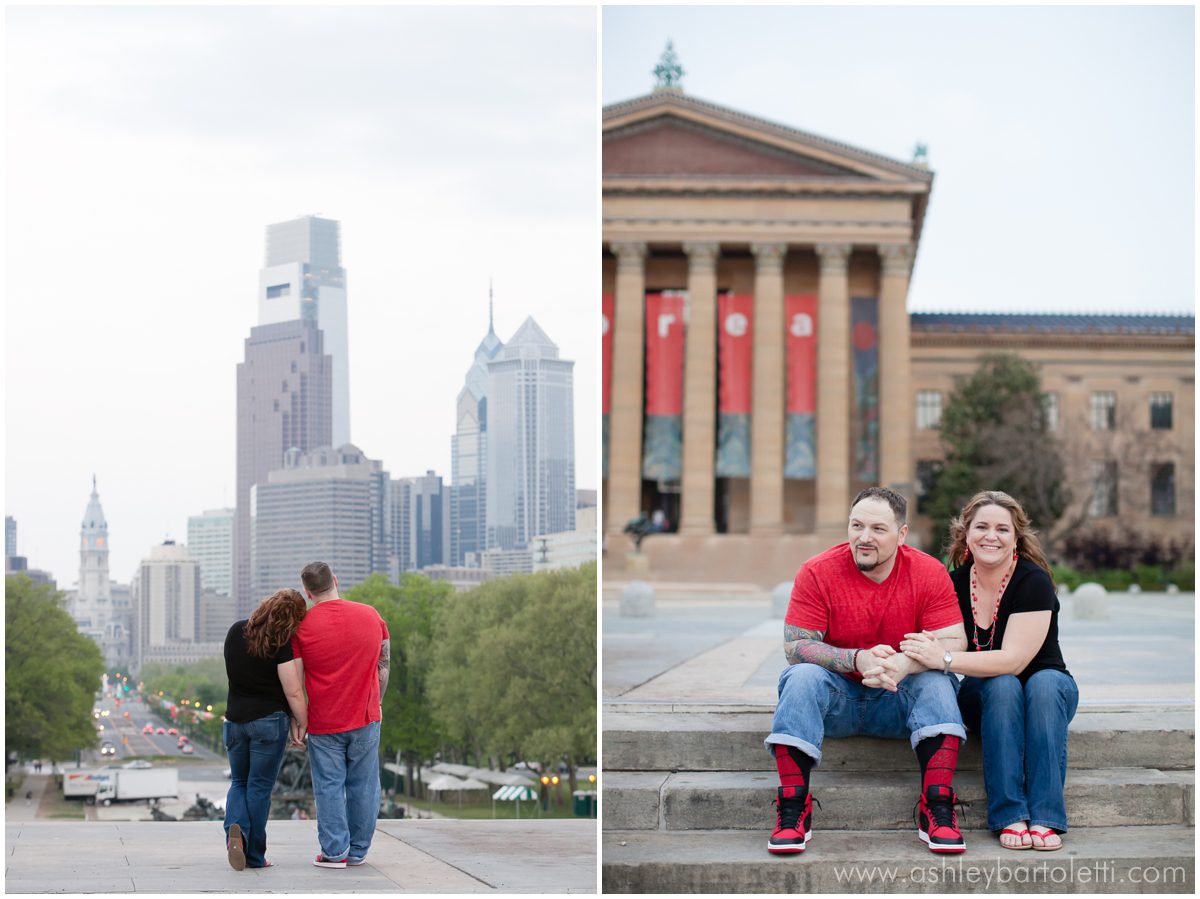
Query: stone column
[[699, 391], [896, 401], [768, 420], [833, 389], [628, 379]]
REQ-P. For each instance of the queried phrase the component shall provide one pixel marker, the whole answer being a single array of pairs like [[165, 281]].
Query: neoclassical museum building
[[761, 365]]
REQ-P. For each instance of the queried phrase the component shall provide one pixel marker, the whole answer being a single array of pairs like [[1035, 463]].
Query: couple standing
[[338, 653]]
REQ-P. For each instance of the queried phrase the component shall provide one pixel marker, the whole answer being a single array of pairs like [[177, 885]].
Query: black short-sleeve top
[[1030, 590], [254, 687]]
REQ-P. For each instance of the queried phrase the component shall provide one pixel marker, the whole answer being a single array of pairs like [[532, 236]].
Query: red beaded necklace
[[990, 630]]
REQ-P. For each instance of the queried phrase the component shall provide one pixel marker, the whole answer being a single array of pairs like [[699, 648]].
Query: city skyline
[[148, 177]]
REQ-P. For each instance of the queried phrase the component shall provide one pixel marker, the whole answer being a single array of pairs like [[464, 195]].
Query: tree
[[51, 674], [409, 610], [515, 667], [995, 436]]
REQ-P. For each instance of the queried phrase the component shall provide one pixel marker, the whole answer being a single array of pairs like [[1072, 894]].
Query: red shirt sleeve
[[940, 608], [808, 608]]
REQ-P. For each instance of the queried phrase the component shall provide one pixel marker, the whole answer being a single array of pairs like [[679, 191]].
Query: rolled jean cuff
[[788, 740], [933, 730], [1060, 827]]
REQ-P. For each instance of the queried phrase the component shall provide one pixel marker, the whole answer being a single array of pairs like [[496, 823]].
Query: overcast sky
[[147, 150], [1062, 139]]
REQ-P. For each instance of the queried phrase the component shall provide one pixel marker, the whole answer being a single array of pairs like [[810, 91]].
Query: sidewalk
[[445, 856], [726, 651]]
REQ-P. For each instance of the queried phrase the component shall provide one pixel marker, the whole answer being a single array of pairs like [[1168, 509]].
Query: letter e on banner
[[664, 353]]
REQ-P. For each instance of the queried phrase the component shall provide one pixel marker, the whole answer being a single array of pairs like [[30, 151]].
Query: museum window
[[1050, 407], [1162, 489], [1104, 410], [1104, 490], [929, 409], [1161, 417]]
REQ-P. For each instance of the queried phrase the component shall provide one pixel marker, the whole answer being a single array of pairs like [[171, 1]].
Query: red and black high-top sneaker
[[937, 824], [793, 826]]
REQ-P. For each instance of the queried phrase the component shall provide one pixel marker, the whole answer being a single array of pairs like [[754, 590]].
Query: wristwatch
[[946, 660]]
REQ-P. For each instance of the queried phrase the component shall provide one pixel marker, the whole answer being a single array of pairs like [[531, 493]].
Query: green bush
[[1114, 580], [1066, 576], [1184, 577], [1149, 577]]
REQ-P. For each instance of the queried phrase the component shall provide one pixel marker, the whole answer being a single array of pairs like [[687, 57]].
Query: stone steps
[[744, 800], [1093, 860], [1161, 738]]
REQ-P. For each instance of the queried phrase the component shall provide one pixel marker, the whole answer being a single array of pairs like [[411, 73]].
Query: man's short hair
[[898, 503], [317, 578]]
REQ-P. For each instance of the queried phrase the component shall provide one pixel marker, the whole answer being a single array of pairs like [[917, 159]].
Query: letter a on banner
[[801, 455], [606, 349], [662, 453], [735, 350]]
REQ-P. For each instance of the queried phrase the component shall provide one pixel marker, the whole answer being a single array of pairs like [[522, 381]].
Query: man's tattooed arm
[[803, 645], [384, 666]]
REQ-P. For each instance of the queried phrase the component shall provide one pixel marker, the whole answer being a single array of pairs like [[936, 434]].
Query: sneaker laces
[[941, 810], [791, 810]]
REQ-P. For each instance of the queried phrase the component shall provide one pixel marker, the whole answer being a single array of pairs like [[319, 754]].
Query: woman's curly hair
[[274, 622]]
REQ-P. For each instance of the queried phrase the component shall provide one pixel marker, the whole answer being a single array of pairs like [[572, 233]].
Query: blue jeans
[[1024, 730], [815, 702], [255, 754], [345, 776]]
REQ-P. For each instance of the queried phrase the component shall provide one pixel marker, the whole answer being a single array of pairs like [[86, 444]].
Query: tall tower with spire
[[468, 451], [93, 600]]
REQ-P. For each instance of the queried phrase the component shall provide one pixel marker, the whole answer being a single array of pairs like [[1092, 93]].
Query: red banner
[[735, 316], [664, 353], [606, 348], [801, 354]]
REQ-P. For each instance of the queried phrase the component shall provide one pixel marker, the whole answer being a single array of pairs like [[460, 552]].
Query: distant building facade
[[210, 542], [570, 549], [303, 279], [283, 403], [10, 536], [531, 441], [419, 523], [15, 564], [325, 505], [468, 455], [168, 618]]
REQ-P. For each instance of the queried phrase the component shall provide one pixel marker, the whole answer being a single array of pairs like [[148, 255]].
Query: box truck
[[110, 785]]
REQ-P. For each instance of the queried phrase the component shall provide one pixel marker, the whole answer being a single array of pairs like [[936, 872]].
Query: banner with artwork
[[801, 323], [662, 451], [864, 342], [606, 342], [735, 352]]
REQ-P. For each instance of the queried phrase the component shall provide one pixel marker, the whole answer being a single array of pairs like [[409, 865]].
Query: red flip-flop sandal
[[1017, 833]]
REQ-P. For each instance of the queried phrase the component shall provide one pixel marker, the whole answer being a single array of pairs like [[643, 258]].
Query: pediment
[[668, 146], [673, 136]]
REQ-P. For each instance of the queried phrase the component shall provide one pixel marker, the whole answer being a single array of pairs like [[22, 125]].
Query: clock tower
[[93, 603]]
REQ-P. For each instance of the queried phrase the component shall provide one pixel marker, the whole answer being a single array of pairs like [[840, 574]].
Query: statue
[[921, 154], [668, 72]]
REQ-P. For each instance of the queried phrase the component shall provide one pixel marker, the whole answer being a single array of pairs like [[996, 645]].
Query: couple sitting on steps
[[874, 635]]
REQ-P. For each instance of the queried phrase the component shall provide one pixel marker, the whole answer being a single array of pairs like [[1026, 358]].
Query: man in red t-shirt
[[343, 651], [850, 608]]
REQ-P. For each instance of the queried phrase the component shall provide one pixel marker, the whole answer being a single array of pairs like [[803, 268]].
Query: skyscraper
[[283, 400], [325, 505], [168, 624], [10, 536], [419, 523], [531, 441], [210, 543], [468, 454], [304, 279]]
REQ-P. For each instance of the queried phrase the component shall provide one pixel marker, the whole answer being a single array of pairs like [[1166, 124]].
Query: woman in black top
[[263, 685], [1017, 692]]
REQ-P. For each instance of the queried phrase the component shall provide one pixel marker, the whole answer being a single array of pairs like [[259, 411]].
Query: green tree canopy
[[51, 674], [204, 680], [995, 436], [515, 666]]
